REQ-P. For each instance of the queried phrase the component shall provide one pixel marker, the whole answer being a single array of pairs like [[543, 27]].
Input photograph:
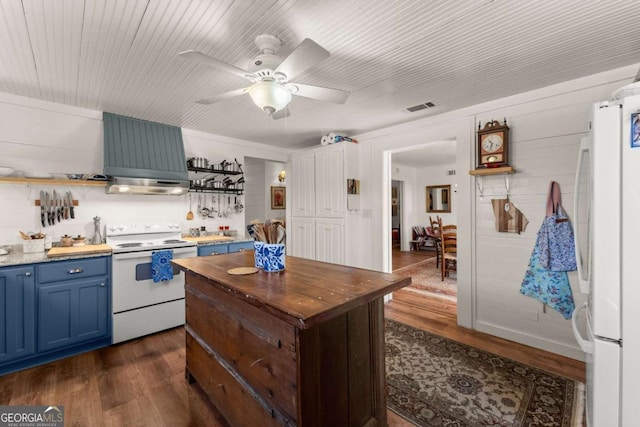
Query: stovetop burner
[[125, 238]]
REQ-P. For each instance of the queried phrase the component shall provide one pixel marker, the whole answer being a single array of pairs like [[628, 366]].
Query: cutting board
[[78, 250], [209, 239]]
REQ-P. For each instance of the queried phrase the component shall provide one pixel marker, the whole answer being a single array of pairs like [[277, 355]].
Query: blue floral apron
[[546, 276]]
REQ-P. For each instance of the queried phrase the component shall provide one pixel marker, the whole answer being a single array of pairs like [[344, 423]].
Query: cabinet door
[[302, 185], [330, 240], [70, 313], [213, 249], [240, 246], [330, 183], [303, 238], [18, 318]]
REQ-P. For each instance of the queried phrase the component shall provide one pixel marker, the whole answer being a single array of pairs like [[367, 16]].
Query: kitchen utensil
[[55, 207], [190, 213], [42, 208], [238, 165], [48, 207], [219, 210], [229, 209], [213, 211], [71, 212], [24, 235], [65, 207], [204, 210]]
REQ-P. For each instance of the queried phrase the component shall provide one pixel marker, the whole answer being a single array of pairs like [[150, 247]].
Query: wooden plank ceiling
[[121, 56]]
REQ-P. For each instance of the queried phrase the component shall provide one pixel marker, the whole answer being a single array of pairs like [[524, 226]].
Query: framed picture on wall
[[278, 197]]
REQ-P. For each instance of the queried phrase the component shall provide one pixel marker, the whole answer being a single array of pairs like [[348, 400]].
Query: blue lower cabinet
[[72, 313], [17, 320], [240, 246], [222, 248], [53, 310]]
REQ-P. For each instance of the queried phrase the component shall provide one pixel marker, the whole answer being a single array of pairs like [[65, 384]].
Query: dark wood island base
[[302, 347]]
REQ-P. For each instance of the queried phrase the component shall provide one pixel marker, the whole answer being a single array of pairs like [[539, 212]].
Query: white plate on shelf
[[6, 171], [36, 174]]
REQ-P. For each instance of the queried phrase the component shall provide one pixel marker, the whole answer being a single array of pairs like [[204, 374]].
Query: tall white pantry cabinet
[[319, 201]]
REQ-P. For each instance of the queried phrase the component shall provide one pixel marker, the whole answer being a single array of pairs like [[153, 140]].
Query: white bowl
[[37, 174], [6, 171]]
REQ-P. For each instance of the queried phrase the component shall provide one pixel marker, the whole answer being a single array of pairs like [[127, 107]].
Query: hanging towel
[[161, 269], [549, 287], [557, 247], [541, 282]]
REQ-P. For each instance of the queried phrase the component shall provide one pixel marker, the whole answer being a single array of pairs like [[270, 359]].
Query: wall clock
[[493, 145]]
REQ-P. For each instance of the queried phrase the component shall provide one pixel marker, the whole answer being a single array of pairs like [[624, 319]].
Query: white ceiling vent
[[420, 107]]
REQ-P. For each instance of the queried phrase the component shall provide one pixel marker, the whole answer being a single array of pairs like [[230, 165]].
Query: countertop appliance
[[140, 305], [608, 257]]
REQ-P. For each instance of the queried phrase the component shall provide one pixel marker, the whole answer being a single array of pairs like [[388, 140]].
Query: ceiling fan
[[271, 76]]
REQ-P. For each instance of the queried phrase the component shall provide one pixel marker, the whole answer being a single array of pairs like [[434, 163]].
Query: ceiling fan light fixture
[[269, 96]]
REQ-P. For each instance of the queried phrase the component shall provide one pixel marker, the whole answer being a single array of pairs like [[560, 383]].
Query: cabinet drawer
[[261, 348], [213, 249], [240, 246], [73, 269], [234, 402]]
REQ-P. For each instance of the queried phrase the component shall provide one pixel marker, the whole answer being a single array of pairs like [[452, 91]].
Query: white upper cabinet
[[330, 182], [318, 183], [302, 186]]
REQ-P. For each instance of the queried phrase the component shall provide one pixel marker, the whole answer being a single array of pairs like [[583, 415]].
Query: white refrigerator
[[608, 252]]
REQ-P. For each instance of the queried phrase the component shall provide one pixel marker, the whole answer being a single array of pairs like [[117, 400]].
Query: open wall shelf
[[492, 171]]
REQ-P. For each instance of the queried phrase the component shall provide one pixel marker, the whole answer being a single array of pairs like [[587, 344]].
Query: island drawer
[[228, 395], [57, 271], [260, 347]]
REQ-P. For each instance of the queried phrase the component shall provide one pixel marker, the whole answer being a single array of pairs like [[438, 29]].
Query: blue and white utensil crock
[[257, 254], [273, 257]]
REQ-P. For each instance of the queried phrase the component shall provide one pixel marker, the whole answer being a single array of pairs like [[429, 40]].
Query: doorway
[[412, 171], [396, 214]]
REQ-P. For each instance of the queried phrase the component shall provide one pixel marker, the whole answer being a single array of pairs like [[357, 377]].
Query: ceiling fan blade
[[304, 56], [321, 93], [230, 94], [281, 114], [216, 63]]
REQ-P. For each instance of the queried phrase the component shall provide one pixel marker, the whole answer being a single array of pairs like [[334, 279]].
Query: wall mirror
[[438, 198]]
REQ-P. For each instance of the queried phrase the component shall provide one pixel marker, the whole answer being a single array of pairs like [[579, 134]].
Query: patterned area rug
[[434, 381], [427, 279]]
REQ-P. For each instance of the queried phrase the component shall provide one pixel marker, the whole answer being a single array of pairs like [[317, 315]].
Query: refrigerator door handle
[[585, 345], [582, 280]]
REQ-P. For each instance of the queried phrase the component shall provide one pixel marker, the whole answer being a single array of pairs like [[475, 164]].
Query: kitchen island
[[304, 346]]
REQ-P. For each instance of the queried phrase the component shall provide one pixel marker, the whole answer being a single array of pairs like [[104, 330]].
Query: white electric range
[[140, 305]]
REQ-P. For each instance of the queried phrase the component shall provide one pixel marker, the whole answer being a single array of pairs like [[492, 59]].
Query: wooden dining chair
[[448, 244], [434, 233]]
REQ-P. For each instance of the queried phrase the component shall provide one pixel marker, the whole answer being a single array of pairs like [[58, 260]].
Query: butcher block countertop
[[306, 293], [60, 251], [209, 239]]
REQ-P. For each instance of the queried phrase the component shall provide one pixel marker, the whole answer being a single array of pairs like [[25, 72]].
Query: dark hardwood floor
[[141, 382]]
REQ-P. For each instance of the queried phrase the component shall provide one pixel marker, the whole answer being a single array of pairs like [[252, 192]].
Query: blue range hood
[[143, 157]]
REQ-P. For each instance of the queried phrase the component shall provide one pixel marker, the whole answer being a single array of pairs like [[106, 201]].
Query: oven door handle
[[188, 250]]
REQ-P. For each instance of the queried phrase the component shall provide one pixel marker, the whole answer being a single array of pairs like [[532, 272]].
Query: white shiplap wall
[[44, 136], [547, 126]]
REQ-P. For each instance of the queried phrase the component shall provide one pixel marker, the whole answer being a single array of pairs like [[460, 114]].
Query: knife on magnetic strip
[[71, 213], [42, 208]]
